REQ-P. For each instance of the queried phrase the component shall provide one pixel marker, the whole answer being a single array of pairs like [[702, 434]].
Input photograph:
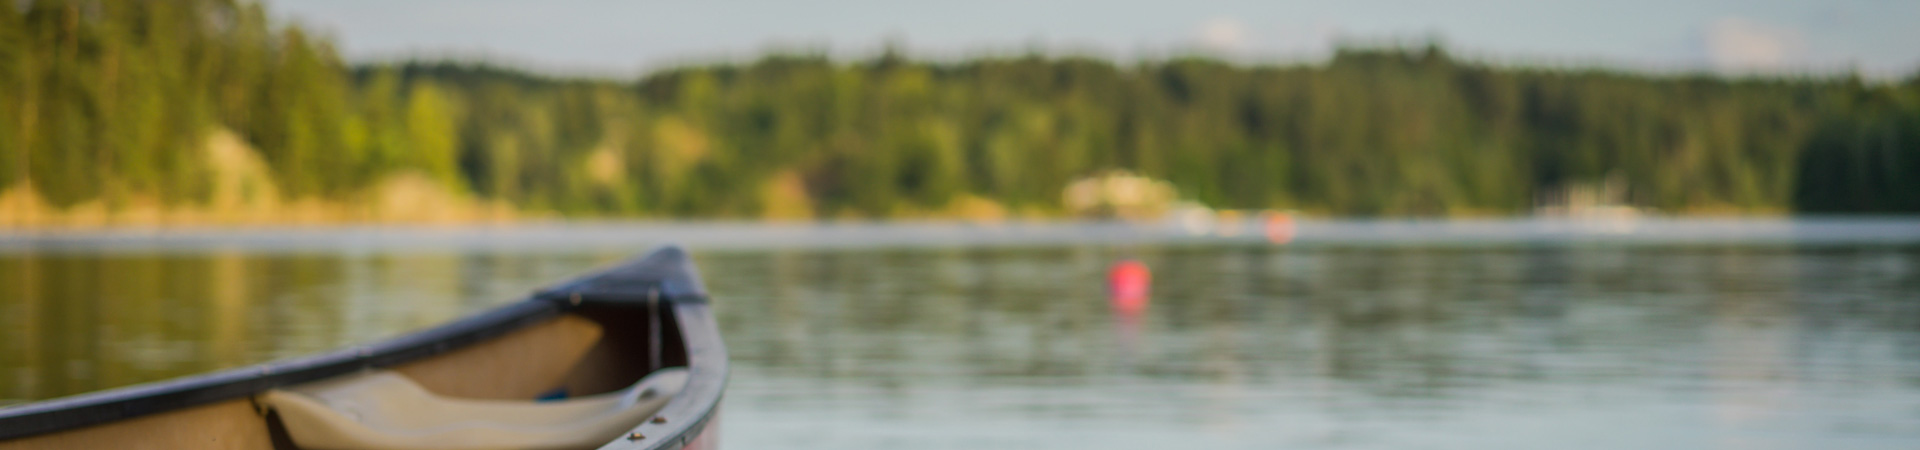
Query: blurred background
[[1374, 224]]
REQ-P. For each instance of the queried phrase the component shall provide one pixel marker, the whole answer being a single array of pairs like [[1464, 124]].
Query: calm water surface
[[1803, 341]]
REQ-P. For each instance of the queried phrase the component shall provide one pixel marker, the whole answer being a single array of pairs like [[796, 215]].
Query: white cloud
[[1223, 34], [1738, 44]]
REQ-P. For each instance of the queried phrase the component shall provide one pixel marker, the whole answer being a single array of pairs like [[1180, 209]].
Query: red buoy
[[1127, 286]]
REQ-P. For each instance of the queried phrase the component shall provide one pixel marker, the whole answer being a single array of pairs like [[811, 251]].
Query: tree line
[[109, 100]]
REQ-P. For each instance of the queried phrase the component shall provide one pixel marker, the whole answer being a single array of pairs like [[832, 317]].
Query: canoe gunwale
[[142, 399], [663, 271], [689, 413]]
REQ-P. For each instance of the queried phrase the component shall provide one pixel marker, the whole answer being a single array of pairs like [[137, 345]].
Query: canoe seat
[[386, 410]]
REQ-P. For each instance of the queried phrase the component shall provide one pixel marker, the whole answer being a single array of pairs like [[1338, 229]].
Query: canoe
[[625, 358]]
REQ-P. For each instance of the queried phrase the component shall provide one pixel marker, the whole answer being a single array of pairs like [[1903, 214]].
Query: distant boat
[[626, 358], [1605, 200]]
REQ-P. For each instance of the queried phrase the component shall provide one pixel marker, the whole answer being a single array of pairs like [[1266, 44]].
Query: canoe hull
[[592, 334]]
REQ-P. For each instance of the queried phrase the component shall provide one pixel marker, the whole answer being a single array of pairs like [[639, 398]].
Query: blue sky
[[1880, 38]]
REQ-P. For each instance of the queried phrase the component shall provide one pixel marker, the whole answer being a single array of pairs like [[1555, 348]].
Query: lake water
[[1504, 334]]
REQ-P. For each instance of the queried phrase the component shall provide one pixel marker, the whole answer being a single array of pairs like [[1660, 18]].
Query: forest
[[214, 104]]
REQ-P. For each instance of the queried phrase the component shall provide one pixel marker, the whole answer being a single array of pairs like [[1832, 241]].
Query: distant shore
[[725, 235], [288, 133]]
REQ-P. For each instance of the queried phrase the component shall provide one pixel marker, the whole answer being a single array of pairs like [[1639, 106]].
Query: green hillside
[[113, 106]]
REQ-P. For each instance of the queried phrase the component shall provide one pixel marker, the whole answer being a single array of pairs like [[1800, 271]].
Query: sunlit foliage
[[110, 100]]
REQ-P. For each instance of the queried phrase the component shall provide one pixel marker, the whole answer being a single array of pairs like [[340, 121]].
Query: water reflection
[[1323, 346], [82, 322], [1352, 347]]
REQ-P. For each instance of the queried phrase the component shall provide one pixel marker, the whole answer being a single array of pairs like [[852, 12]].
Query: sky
[[1877, 38]]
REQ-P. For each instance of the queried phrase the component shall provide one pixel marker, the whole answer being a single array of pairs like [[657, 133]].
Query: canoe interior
[[593, 348]]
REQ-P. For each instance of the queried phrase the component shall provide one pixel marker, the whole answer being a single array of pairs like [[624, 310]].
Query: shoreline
[[554, 235]]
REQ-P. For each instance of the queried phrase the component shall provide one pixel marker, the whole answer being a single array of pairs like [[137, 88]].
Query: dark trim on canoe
[[129, 402], [666, 274]]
